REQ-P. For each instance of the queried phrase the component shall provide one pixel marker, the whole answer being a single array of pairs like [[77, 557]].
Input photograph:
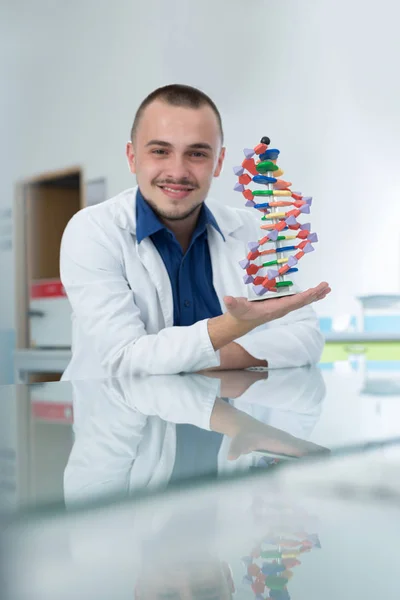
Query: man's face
[[176, 153], [209, 581]]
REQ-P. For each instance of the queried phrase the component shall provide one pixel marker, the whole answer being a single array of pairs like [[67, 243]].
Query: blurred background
[[319, 78]]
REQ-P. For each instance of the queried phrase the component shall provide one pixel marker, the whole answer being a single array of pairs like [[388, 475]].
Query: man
[[152, 275]]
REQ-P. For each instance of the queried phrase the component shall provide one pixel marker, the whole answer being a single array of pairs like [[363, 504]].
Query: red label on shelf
[[47, 289], [53, 411]]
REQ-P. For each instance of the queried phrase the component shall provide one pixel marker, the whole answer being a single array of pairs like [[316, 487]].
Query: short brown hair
[[177, 95]]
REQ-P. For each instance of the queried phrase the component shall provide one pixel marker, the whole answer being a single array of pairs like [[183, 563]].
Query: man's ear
[[220, 162], [130, 155]]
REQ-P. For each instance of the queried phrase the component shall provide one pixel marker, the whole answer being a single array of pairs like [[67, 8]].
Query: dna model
[[284, 239]]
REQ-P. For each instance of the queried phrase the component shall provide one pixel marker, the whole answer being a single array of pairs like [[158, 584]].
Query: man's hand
[[260, 436], [243, 316], [249, 434], [233, 357], [235, 383], [275, 308]]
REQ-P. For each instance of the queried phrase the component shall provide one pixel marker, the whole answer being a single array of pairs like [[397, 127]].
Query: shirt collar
[[147, 222], [210, 220]]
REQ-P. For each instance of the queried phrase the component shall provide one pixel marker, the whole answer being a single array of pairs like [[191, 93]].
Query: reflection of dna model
[[275, 221], [270, 563]]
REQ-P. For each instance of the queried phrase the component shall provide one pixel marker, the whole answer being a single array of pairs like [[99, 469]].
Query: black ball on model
[[265, 140]]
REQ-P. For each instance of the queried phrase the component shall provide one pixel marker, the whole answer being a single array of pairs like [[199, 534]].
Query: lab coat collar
[[125, 213]]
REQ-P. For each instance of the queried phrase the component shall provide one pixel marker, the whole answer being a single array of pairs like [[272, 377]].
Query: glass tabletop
[[77, 442], [256, 484], [293, 533]]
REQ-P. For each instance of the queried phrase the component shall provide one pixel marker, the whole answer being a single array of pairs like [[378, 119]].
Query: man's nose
[[177, 168]]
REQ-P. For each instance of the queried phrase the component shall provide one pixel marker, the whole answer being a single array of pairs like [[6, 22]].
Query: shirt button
[[187, 303]]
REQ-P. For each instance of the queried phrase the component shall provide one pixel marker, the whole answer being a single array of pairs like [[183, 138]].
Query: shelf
[[41, 361], [342, 350], [361, 336]]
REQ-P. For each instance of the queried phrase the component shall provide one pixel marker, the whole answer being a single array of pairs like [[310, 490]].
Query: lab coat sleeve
[[289, 399], [187, 398], [105, 446], [103, 303], [113, 418], [292, 341]]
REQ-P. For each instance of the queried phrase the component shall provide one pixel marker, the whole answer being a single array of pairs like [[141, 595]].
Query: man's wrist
[[225, 329]]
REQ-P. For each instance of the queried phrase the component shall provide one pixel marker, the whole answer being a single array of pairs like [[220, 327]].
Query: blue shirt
[[190, 274]]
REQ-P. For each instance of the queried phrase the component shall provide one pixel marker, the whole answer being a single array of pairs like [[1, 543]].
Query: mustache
[[186, 182]]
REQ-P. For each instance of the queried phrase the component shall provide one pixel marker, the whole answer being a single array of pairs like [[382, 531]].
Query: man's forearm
[[233, 356], [225, 329], [228, 420], [244, 316]]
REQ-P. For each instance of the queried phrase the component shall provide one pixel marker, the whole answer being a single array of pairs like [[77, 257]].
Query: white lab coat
[[125, 429], [122, 301]]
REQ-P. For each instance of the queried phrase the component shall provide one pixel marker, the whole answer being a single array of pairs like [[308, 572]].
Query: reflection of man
[[152, 275], [146, 432], [206, 578]]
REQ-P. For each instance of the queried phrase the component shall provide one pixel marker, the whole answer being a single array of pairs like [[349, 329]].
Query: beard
[[173, 215]]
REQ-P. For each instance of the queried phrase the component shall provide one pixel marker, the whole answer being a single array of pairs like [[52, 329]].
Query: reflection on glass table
[[87, 439], [146, 433]]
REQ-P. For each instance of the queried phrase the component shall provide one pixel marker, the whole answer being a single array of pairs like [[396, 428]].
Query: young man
[[152, 275]]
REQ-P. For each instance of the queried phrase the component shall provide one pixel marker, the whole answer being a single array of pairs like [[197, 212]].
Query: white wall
[[320, 78]]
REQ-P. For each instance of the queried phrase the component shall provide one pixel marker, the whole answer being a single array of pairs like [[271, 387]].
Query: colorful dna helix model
[[279, 242]]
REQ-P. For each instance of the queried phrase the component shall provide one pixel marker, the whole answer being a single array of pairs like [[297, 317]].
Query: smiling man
[[152, 275]]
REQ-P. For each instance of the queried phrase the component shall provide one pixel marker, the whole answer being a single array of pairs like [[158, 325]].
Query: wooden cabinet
[[44, 205]]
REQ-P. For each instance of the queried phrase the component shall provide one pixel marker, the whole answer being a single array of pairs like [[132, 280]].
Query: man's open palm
[[275, 308]]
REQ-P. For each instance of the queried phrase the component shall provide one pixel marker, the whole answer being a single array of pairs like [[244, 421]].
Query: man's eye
[[159, 151], [199, 154]]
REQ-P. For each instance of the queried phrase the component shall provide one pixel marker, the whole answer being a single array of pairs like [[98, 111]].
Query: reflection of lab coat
[[122, 301], [125, 433]]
